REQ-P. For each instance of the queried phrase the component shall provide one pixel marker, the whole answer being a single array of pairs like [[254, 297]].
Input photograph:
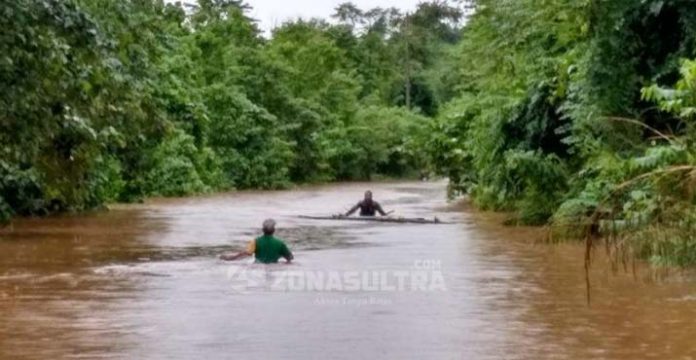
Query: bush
[[173, 167], [377, 140], [247, 140]]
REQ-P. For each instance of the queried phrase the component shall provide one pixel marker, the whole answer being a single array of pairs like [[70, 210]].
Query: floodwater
[[144, 282]]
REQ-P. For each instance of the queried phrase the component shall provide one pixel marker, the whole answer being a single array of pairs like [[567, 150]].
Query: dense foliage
[[573, 113], [578, 113], [107, 100]]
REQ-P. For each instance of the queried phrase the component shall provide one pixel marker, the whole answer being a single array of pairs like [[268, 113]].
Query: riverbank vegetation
[[108, 100], [579, 114]]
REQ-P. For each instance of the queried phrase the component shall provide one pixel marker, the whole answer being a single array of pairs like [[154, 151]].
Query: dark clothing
[[367, 208], [269, 249]]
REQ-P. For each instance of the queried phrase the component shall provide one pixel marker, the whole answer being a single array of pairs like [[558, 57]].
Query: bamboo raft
[[399, 220]]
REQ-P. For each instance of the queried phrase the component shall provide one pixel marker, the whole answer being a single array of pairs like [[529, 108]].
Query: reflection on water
[[143, 281]]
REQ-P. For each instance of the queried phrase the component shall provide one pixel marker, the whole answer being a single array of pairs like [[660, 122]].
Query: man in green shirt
[[267, 249]]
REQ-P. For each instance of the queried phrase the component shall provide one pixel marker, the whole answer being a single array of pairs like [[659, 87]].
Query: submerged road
[[144, 282]]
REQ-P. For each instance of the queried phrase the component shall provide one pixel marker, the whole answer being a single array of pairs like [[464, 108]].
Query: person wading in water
[[267, 249], [367, 206]]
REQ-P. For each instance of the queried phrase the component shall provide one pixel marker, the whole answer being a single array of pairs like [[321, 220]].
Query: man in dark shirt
[[267, 249], [367, 206]]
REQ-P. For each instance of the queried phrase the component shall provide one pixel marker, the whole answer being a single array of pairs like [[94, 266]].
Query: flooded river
[[144, 282]]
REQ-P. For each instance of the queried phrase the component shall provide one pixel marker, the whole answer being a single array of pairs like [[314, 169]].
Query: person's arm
[[234, 257], [379, 209], [285, 252], [251, 248], [353, 209]]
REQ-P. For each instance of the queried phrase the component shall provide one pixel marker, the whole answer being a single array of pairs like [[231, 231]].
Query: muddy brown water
[[143, 282]]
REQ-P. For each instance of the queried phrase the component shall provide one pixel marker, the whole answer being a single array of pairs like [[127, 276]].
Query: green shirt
[[268, 249]]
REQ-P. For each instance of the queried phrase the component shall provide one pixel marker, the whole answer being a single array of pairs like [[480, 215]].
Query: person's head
[[368, 195], [269, 227]]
